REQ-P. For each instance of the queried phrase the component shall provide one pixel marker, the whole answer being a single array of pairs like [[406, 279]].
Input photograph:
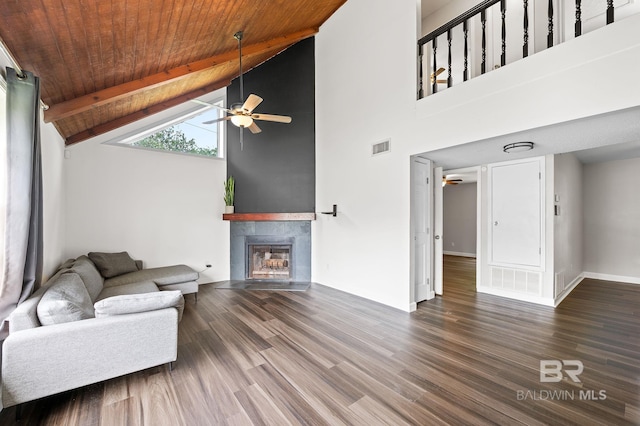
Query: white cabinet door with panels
[[516, 213]]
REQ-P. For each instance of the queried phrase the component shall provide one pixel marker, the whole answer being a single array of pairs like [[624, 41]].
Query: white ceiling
[[605, 137], [466, 177]]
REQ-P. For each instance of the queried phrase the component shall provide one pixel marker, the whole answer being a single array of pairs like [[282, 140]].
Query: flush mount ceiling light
[[518, 147]]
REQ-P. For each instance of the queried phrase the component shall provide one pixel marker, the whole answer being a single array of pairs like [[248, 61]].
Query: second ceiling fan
[[434, 76], [447, 181], [241, 114]]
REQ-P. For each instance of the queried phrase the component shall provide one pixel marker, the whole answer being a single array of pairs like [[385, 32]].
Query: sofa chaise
[[91, 322]]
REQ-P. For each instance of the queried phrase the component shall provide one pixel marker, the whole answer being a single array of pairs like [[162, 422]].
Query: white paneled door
[[421, 221], [438, 211], [516, 213]]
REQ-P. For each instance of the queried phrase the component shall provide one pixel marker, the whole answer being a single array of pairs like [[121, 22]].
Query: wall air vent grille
[[380, 147]]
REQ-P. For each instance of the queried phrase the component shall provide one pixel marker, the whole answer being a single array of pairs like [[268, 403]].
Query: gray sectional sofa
[[91, 322]]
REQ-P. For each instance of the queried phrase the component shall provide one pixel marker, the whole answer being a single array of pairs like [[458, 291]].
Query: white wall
[[549, 87], [445, 14], [366, 91], [568, 240], [54, 199], [460, 219], [611, 212], [162, 208]]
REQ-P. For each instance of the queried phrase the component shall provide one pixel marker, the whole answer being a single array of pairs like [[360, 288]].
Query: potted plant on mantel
[[229, 192]]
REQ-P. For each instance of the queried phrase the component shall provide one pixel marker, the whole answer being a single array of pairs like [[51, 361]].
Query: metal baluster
[[609, 12], [449, 77], [525, 46], [483, 20], [578, 26], [420, 71], [550, 17], [503, 12], [434, 45], [465, 30]]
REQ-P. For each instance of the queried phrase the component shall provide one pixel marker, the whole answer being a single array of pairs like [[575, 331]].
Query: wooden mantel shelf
[[258, 217]]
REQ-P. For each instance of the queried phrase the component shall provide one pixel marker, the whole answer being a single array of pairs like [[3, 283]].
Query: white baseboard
[[577, 280], [413, 306], [517, 296], [457, 253], [595, 276], [609, 277], [565, 292]]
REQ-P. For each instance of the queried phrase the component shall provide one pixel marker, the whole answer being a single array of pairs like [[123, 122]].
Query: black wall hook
[[334, 212]]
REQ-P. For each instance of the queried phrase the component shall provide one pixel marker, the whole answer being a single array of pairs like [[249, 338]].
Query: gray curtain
[[22, 244]]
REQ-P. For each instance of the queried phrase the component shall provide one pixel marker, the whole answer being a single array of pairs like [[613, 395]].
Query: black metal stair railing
[[481, 9]]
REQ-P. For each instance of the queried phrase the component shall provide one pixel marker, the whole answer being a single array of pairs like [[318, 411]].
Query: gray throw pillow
[[113, 264], [65, 300], [142, 302]]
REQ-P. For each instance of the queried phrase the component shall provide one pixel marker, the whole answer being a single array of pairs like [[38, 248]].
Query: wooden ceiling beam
[[115, 93], [146, 112]]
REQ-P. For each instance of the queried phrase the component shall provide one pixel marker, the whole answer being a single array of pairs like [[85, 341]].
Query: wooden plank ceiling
[[103, 64]]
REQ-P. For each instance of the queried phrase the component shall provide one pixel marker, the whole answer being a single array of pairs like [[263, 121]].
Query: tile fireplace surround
[[297, 231]]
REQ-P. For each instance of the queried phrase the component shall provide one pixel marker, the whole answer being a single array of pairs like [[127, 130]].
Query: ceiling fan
[[241, 114], [434, 76], [446, 181]]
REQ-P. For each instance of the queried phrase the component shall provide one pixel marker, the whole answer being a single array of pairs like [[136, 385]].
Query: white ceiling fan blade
[[271, 117], [254, 128], [216, 120], [251, 103]]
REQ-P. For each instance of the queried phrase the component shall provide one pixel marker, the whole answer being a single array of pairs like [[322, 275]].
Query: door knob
[[495, 223], [437, 237]]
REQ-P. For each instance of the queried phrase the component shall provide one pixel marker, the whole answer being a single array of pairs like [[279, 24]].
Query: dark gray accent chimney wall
[[275, 173]]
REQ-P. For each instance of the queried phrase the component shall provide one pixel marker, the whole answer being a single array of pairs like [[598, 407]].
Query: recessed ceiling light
[[518, 147]]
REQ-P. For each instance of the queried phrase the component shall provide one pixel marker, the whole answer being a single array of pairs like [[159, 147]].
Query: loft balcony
[[496, 33]]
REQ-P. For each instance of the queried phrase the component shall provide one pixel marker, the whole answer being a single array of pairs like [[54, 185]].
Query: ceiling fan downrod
[[238, 36]]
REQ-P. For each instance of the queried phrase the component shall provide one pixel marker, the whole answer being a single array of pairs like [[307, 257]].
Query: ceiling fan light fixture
[[241, 120], [518, 147]]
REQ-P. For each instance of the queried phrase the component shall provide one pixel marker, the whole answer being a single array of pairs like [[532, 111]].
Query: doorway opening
[[427, 225], [459, 275], [461, 224]]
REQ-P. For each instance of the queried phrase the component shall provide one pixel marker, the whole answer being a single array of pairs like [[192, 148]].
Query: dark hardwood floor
[[323, 357]]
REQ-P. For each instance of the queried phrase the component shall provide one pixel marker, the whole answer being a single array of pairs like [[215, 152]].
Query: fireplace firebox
[[269, 258]]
